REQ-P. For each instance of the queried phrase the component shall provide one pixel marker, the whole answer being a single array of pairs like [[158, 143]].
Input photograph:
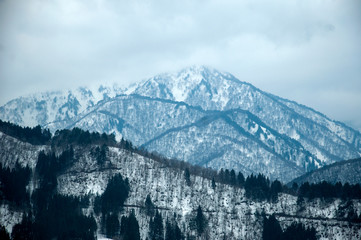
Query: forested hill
[[100, 187], [348, 171], [33, 135]]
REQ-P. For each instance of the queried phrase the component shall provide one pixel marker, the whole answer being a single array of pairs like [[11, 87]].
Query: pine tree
[[112, 225], [227, 177], [187, 176], [177, 232], [221, 176], [156, 227], [201, 221], [276, 187], [271, 229], [213, 184], [233, 180], [129, 229], [240, 179], [169, 233], [115, 194], [149, 207], [24, 229], [296, 231], [173, 232], [4, 235]]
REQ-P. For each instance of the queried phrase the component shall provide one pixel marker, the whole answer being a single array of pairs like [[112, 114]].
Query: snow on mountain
[[13, 151], [229, 212], [202, 116], [213, 90], [137, 118], [230, 147], [219, 139], [56, 106]]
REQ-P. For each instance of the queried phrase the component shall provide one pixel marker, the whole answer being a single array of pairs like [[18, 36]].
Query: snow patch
[[320, 155], [9, 217], [254, 129], [294, 135]]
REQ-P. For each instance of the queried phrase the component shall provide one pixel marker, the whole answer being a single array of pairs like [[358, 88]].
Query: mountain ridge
[[274, 122], [347, 171]]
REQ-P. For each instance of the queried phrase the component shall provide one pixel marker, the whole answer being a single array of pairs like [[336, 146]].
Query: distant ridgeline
[[31, 135], [48, 214], [39, 136], [347, 171]]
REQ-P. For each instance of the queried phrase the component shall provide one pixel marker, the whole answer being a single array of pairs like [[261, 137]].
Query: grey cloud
[[295, 49]]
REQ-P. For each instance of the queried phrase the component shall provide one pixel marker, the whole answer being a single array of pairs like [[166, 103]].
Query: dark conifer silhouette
[[271, 228], [200, 221], [187, 176], [129, 229], [156, 229], [112, 225], [149, 206], [4, 235]]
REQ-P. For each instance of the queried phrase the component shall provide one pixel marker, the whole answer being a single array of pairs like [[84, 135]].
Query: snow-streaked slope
[[345, 172], [137, 118], [219, 139], [343, 131], [230, 214], [57, 106], [213, 90], [13, 150], [228, 148]]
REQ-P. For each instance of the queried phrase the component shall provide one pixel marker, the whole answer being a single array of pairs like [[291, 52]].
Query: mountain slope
[[218, 139], [230, 214], [247, 129], [213, 90], [56, 106], [348, 171]]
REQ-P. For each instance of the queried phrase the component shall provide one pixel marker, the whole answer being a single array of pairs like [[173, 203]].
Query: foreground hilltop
[[197, 202]]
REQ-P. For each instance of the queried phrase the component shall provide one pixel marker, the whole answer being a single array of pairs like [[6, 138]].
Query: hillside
[[348, 171], [218, 139], [229, 212]]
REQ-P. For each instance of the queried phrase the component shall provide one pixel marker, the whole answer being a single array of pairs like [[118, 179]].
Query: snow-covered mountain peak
[[194, 81]]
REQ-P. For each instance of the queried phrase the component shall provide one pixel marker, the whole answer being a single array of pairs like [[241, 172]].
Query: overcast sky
[[307, 51]]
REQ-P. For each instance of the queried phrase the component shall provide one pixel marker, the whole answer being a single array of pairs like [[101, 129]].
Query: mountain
[[54, 106], [202, 116], [219, 139], [348, 171], [228, 211], [214, 90]]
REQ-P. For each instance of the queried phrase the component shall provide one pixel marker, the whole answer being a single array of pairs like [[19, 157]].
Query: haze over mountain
[[202, 116], [308, 51]]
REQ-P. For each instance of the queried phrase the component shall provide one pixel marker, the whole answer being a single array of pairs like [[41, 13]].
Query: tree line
[[48, 215], [327, 190], [13, 184], [296, 231], [258, 187], [35, 135]]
